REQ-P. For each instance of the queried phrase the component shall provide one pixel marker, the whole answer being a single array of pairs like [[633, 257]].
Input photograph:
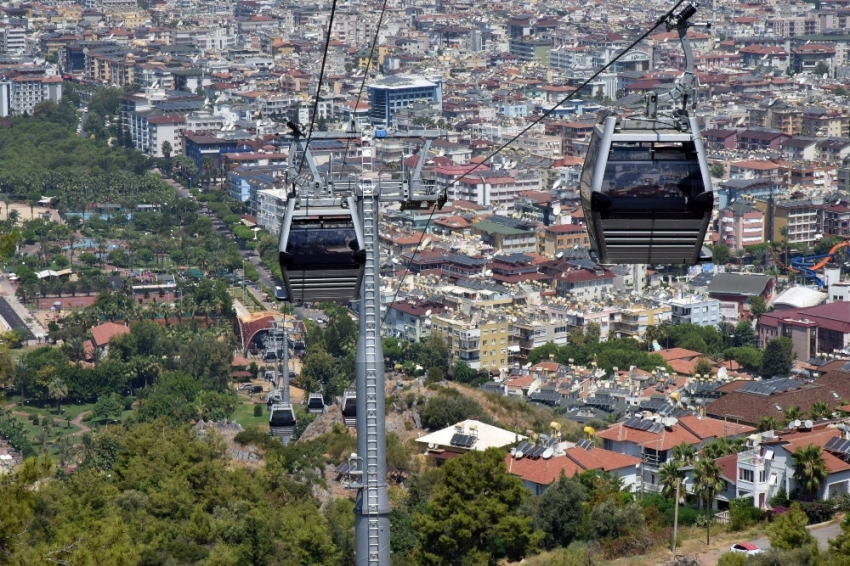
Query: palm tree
[[76, 348], [767, 423], [669, 477], [655, 333], [707, 483], [96, 355], [42, 438], [792, 414], [684, 453], [66, 451], [819, 410], [58, 390], [87, 447], [716, 448], [809, 468]]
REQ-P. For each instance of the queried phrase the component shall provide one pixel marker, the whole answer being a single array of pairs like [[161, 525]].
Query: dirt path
[[79, 422]]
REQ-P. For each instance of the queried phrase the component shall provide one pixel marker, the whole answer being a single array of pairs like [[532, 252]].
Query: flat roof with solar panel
[[463, 440]]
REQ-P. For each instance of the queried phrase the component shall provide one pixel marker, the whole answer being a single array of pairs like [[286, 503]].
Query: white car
[[747, 548]]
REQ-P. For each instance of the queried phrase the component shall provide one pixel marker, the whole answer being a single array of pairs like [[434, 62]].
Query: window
[[745, 475], [762, 475]]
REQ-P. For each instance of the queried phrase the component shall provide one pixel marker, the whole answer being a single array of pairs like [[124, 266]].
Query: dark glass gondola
[[320, 253], [282, 416], [349, 407], [315, 403], [646, 194], [645, 186]]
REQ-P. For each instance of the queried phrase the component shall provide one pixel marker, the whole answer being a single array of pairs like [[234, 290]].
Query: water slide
[[809, 265]]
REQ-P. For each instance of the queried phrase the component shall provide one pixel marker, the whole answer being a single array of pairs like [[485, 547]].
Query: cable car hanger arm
[[687, 86]]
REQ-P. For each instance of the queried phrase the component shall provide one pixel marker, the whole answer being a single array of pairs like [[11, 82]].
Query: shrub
[[841, 502], [742, 513], [434, 375], [34, 418], [817, 511], [732, 559], [780, 499], [446, 409], [258, 410]]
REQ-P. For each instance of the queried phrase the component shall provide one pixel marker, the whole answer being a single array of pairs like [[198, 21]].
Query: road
[[822, 534], [83, 117]]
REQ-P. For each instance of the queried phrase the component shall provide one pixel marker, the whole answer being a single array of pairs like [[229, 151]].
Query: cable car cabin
[[282, 416], [321, 256], [316, 404], [349, 407], [646, 194]]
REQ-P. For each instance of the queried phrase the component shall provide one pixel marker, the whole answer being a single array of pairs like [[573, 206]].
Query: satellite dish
[[556, 210], [548, 453], [428, 312], [797, 423], [808, 424], [519, 454]]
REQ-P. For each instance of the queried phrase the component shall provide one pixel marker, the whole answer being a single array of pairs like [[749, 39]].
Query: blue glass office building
[[395, 92]]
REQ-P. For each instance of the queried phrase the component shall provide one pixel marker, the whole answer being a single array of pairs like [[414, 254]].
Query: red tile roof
[[542, 471], [678, 354], [706, 429], [575, 461], [103, 333], [664, 440], [601, 459]]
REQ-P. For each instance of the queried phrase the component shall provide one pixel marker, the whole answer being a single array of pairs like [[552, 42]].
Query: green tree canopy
[[788, 530], [473, 517], [777, 360]]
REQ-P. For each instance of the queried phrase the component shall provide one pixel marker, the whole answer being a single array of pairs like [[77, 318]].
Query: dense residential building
[[20, 93], [741, 225], [698, 310], [814, 330], [483, 343]]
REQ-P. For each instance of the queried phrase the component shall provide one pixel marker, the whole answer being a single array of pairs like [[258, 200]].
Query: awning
[[513, 349]]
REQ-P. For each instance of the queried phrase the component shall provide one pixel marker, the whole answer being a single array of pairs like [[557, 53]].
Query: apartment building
[[504, 238], [485, 187], [21, 93], [410, 319], [634, 320], [560, 237], [824, 328], [741, 225], [584, 281], [606, 317], [269, 206], [479, 341], [797, 220], [698, 310], [836, 219]]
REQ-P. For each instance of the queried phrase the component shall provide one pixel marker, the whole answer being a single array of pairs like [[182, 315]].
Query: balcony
[[751, 458]]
